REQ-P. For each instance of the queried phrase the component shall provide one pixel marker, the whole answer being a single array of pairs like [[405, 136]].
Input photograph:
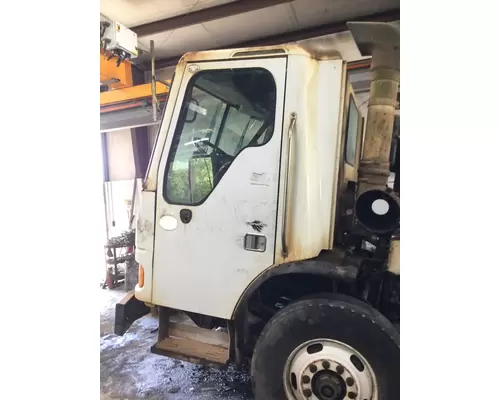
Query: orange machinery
[[125, 103]]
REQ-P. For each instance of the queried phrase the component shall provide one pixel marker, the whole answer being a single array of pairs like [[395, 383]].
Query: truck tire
[[335, 349]]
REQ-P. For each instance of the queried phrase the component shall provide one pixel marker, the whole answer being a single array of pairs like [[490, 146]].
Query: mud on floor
[[129, 371]]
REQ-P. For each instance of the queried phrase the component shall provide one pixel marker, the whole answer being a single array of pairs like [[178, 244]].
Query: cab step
[[193, 344]]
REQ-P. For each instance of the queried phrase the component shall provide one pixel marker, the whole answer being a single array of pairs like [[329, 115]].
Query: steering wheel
[[198, 143], [222, 170], [218, 152]]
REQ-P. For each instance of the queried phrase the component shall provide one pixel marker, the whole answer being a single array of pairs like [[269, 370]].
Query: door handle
[[186, 215], [291, 128]]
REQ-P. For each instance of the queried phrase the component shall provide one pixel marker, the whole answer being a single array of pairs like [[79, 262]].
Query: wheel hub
[[329, 385], [325, 369]]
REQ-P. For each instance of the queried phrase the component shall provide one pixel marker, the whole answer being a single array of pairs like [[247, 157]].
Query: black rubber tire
[[342, 318]]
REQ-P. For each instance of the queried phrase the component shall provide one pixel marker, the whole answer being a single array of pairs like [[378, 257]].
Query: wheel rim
[[326, 369]]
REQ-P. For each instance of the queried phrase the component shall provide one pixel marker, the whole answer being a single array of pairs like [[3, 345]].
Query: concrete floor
[[130, 372]]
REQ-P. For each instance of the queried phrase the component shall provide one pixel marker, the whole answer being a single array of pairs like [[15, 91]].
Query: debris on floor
[[129, 371]]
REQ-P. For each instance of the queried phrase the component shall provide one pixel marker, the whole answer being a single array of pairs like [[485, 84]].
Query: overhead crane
[[123, 103]]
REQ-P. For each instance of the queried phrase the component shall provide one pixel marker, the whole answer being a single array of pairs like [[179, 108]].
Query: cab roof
[[260, 52]]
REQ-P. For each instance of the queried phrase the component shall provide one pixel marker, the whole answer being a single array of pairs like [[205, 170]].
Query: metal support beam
[[205, 15], [140, 141], [153, 80], [132, 93], [105, 164], [295, 36]]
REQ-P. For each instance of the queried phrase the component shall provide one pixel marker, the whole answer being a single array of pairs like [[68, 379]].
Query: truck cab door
[[216, 204]]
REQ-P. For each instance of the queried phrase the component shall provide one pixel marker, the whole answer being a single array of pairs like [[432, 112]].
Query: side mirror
[[191, 112]]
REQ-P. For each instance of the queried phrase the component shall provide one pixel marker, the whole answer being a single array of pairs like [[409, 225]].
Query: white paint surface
[[202, 266], [314, 91], [144, 243]]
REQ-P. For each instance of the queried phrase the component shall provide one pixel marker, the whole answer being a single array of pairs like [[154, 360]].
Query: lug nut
[[307, 392], [349, 381], [340, 369], [326, 365], [306, 379], [351, 395], [313, 368]]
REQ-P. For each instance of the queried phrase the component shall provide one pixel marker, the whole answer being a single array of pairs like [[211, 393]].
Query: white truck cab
[[264, 234]]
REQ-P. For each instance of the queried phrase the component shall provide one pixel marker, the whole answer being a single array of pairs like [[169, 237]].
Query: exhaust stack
[[375, 209]]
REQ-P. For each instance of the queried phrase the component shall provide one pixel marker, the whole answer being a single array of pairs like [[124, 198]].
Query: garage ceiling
[[204, 24], [137, 12], [180, 26]]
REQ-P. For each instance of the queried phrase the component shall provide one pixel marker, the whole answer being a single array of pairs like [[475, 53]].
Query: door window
[[223, 112], [352, 132]]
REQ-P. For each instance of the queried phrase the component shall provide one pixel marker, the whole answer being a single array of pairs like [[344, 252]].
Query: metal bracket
[[127, 311]]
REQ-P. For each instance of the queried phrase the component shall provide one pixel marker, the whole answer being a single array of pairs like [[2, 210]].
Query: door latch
[[255, 242], [186, 215]]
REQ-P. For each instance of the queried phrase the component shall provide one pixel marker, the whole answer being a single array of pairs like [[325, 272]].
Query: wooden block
[[194, 349], [197, 334]]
